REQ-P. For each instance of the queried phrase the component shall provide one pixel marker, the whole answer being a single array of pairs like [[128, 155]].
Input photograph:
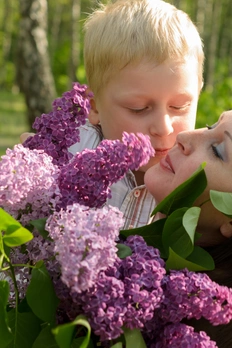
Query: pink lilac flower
[[126, 294], [182, 336], [195, 295], [58, 130], [89, 175], [28, 183], [85, 242]]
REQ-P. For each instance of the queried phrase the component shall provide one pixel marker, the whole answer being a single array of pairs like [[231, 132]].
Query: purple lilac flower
[[195, 295], [28, 184], [58, 130], [89, 175], [142, 273], [182, 336], [126, 294], [84, 242]]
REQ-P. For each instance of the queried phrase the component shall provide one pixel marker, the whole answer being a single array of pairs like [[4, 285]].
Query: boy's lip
[[166, 164], [161, 152]]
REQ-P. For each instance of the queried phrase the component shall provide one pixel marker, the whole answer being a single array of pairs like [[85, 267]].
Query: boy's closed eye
[[180, 107], [139, 110]]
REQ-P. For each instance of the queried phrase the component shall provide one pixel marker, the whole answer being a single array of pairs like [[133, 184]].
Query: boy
[[144, 62]]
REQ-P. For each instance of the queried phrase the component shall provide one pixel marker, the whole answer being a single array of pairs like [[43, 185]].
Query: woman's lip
[[166, 164]]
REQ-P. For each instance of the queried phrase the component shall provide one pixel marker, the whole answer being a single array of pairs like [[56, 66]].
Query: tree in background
[[34, 75], [56, 25]]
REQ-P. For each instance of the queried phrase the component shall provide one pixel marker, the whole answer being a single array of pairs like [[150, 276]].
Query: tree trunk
[[34, 74], [75, 40], [7, 25]]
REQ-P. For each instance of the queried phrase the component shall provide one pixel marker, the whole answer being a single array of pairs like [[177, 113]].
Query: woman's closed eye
[[217, 151]]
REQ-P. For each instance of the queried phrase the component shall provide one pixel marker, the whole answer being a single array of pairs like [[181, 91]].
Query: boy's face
[[159, 101]]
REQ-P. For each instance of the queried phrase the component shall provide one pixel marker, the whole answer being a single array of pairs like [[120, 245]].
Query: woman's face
[[212, 145]]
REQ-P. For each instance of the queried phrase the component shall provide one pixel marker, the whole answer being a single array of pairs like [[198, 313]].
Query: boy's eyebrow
[[228, 134]]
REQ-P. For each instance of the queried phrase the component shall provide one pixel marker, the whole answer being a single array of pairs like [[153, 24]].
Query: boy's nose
[[161, 125]]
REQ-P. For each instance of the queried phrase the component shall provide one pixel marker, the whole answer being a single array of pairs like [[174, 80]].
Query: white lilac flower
[[85, 242], [28, 184]]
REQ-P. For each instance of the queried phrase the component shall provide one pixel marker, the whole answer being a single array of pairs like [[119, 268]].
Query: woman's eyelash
[[216, 153], [213, 126]]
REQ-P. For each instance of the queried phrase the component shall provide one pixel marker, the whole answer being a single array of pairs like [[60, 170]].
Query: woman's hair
[[129, 31]]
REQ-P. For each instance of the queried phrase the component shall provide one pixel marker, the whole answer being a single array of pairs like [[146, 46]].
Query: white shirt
[[135, 202]]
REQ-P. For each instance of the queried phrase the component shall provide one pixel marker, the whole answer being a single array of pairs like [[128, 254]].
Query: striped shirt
[[135, 202]]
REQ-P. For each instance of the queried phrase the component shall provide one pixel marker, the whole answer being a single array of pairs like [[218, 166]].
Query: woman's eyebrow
[[228, 134]]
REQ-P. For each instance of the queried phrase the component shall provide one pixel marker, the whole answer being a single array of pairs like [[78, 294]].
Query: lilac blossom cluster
[[28, 184], [181, 336], [137, 293], [189, 295], [195, 295], [85, 242], [87, 178], [59, 129], [126, 294]]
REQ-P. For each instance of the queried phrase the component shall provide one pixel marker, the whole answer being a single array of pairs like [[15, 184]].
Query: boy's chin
[[153, 161]]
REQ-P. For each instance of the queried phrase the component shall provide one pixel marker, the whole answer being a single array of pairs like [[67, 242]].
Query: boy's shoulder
[[90, 137]]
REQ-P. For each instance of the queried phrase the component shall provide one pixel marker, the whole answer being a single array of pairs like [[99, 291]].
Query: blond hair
[[129, 31]]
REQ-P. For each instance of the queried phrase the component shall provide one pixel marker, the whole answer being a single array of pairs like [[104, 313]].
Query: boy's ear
[[93, 113], [226, 229]]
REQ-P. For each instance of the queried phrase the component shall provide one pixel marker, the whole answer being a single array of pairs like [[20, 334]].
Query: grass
[[13, 120]]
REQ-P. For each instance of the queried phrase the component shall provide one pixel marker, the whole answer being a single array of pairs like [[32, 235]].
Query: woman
[[212, 145]]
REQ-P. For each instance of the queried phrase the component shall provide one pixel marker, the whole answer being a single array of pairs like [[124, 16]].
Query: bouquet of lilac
[[70, 278]]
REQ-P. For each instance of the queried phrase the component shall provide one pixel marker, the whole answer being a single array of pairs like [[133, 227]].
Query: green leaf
[[151, 233], [199, 260], [117, 345], [123, 250], [185, 194], [222, 201], [28, 328], [6, 335], [77, 342], [7, 220], [175, 235], [41, 295], [64, 333], [45, 339], [15, 234], [190, 221], [18, 236], [134, 338], [39, 224]]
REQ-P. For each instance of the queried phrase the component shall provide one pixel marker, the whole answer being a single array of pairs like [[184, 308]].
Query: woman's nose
[[184, 142], [161, 125]]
